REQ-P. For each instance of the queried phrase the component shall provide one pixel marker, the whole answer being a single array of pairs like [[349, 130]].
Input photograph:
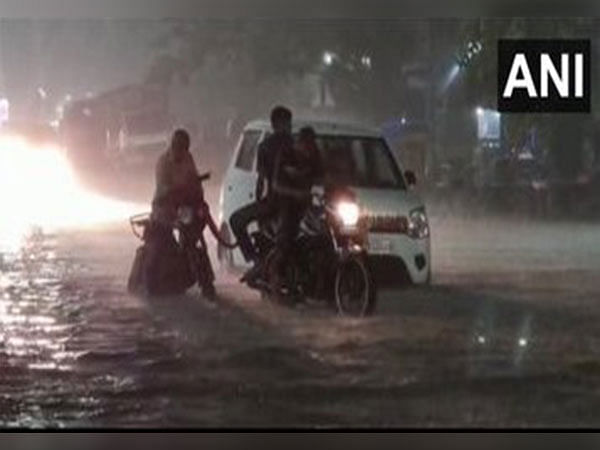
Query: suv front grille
[[386, 224]]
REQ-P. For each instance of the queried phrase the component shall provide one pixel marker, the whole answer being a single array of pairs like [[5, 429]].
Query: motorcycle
[[173, 259], [329, 261]]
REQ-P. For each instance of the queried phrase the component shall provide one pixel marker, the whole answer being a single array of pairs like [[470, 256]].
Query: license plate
[[380, 245]]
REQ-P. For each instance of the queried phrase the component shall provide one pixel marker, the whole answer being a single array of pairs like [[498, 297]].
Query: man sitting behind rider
[[295, 173]]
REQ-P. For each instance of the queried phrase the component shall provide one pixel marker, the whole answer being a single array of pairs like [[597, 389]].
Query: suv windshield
[[360, 162]]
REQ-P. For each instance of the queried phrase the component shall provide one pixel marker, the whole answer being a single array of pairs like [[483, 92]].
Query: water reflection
[[37, 332], [34, 331], [71, 351]]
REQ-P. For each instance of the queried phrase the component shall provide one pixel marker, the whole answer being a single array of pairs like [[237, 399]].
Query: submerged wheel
[[290, 278], [354, 288]]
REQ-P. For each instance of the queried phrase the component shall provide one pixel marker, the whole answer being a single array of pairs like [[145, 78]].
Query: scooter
[[173, 259]]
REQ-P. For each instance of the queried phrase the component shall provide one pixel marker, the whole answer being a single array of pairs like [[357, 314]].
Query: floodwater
[[506, 335]]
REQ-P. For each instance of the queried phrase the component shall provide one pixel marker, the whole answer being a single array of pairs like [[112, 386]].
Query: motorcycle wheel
[[354, 288]]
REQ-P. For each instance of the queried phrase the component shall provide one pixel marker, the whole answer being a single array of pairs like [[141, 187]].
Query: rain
[[490, 322]]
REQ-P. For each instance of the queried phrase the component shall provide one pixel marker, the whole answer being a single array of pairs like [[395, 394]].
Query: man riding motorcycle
[[265, 204], [177, 185]]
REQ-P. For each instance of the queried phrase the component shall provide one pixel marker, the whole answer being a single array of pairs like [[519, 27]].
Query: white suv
[[354, 157]]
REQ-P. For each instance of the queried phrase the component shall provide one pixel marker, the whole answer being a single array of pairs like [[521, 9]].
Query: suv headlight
[[418, 226], [348, 213]]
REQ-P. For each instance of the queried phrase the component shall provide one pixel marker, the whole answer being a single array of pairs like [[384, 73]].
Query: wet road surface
[[506, 335]]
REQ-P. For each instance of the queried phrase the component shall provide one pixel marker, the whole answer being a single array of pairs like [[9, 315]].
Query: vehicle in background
[[142, 137], [518, 184], [123, 126]]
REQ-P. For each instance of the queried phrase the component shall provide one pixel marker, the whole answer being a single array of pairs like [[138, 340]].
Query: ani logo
[[544, 76]]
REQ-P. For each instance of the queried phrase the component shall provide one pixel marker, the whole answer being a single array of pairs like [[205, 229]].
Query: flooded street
[[506, 335], [461, 151]]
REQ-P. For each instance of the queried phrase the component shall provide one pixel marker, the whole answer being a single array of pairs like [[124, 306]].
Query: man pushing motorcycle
[[178, 185]]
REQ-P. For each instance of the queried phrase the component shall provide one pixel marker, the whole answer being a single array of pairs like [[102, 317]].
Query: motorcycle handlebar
[[139, 221]]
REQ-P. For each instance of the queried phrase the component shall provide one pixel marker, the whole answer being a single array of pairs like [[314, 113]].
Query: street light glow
[[450, 76], [327, 58], [366, 61]]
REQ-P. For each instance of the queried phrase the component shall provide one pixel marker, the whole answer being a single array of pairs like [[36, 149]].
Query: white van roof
[[321, 127]]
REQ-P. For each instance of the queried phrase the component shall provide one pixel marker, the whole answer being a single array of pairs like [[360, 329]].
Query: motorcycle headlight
[[418, 226], [348, 213]]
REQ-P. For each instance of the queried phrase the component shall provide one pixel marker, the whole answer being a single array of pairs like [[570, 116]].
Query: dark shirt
[[310, 171], [268, 150], [296, 173]]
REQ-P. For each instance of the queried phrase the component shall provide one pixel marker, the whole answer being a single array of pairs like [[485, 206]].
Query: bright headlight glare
[[349, 213], [418, 226]]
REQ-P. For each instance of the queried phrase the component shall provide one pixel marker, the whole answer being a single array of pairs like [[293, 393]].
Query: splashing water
[[38, 188]]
